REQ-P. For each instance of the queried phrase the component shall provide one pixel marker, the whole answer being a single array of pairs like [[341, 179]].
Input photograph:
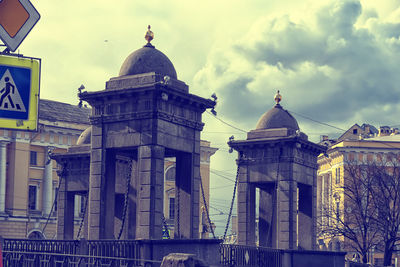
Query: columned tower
[[279, 160], [145, 114]]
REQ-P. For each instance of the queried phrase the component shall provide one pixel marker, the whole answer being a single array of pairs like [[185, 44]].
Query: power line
[[230, 125], [226, 178], [219, 187], [323, 123], [303, 116], [214, 208]]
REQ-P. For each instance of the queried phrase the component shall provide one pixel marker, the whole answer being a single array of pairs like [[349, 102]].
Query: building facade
[[28, 177], [359, 146]]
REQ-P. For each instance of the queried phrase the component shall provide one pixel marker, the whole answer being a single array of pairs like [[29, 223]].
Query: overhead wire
[[224, 122], [219, 187], [226, 178], [296, 113]]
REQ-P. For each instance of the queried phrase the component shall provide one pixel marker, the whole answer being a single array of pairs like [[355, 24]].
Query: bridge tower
[[142, 117], [279, 160]]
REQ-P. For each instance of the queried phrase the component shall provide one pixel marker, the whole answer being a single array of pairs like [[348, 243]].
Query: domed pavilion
[[279, 162], [142, 117]]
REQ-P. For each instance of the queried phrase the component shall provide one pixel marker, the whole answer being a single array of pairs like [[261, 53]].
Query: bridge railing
[[26, 252], [50, 246], [237, 255]]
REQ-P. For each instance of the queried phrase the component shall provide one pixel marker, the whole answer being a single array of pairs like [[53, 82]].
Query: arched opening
[[36, 234]]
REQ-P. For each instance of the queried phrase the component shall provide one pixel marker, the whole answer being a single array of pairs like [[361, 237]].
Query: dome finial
[[149, 35], [277, 98]]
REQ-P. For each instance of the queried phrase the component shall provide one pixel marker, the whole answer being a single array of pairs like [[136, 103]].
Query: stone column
[[47, 196], [65, 211], [3, 173], [286, 220], [246, 208], [150, 192], [101, 187]]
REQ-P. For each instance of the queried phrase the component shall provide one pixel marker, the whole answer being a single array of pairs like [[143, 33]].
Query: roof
[[277, 117], [365, 130], [147, 59], [388, 138], [57, 111]]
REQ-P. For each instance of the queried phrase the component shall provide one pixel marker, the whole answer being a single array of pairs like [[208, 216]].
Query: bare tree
[[351, 211], [386, 198], [366, 209]]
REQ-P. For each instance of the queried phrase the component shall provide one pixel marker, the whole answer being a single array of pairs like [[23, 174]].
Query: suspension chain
[[205, 206], [126, 201], [233, 200], [84, 214]]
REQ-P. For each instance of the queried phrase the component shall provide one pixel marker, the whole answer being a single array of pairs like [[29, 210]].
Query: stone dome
[[148, 59], [277, 117], [85, 137]]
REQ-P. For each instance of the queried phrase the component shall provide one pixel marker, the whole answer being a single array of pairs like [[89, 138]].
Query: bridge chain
[[233, 200], [84, 214], [126, 200], [206, 208]]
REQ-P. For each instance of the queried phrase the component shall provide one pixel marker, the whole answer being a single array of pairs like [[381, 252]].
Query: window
[[355, 131], [170, 175], [32, 198], [337, 175], [171, 207], [33, 159]]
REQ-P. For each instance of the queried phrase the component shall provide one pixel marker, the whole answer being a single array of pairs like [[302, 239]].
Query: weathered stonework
[[144, 118], [281, 163]]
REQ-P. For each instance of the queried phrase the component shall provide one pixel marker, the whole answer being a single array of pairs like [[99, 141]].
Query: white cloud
[[327, 67]]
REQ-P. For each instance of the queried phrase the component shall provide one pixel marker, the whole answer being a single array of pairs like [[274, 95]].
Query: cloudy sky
[[336, 62]]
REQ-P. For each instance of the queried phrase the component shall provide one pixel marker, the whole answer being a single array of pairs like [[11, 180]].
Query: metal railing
[[114, 248], [35, 259], [50, 246], [66, 253], [236, 255], [110, 253]]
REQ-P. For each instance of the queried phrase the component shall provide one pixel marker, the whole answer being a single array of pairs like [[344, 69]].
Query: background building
[[28, 178], [360, 146]]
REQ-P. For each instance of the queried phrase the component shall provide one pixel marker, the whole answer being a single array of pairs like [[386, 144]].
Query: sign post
[[19, 92], [17, 18]]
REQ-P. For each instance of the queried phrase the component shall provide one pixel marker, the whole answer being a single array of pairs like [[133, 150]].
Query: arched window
[[35, 234], [170, 175]]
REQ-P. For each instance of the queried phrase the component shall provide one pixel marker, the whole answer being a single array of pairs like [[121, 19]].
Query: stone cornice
[[97, 120], [96, 98], [276, 159], [271, 142]]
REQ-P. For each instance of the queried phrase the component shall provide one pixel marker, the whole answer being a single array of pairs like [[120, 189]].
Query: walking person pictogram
[[10, 88]]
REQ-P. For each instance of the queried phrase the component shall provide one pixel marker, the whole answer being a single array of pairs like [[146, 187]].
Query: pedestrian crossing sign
[[19, 92]]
